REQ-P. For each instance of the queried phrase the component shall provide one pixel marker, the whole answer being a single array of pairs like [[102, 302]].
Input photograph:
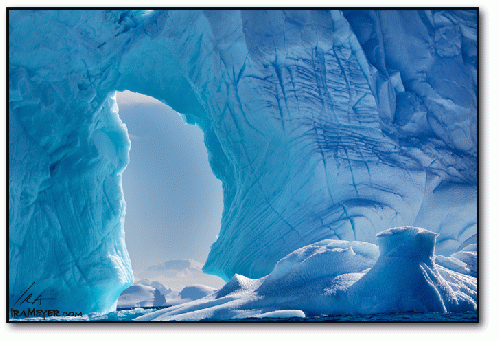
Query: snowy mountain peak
[[177, 265]]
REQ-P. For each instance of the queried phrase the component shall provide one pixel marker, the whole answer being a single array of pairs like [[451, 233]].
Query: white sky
[[127, 97]]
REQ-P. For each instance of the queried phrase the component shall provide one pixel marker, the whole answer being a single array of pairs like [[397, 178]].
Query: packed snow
[[325, 128]]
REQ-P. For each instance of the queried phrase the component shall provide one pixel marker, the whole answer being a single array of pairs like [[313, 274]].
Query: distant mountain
[[177, 265]]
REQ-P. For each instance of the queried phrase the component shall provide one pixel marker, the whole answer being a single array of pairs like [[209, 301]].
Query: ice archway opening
[[173, 201]]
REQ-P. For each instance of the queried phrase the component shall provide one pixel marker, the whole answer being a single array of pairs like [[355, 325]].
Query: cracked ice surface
[[320, 124]]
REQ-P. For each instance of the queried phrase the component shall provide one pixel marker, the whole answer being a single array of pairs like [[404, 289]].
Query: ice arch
[[318, 126]]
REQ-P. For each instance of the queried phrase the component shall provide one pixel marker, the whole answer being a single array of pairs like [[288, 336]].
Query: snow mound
[[236, 284], [317, 263]]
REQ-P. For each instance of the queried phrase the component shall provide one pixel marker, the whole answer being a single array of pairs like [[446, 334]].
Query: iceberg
[[322, 125], [141, 296], [172, 296], [156, 285], [401, 276], [406, 278], [195, 292]]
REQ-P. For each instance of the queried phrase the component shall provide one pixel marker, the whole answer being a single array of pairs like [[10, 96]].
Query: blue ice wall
[[320, 124], [67, 150]]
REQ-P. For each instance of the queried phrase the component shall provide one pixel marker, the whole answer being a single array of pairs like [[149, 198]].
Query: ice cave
[[326, 127]]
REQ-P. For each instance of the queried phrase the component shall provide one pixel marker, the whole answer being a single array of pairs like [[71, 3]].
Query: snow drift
[[320, 124]]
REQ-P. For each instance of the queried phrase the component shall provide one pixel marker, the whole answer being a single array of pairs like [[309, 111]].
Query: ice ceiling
[[320, 125]]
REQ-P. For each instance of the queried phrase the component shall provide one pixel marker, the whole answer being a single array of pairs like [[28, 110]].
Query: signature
[[33, 312], [29, 298]]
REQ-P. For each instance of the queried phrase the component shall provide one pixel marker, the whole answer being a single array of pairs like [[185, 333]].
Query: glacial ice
[[315, 280], [321, 125]]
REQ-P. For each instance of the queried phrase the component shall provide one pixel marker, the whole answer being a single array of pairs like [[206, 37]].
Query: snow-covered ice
[[321, 125], [406, 278], [316, 280]]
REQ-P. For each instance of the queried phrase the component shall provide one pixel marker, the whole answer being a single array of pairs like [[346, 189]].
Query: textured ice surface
[[315, 280], [320, 124]]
